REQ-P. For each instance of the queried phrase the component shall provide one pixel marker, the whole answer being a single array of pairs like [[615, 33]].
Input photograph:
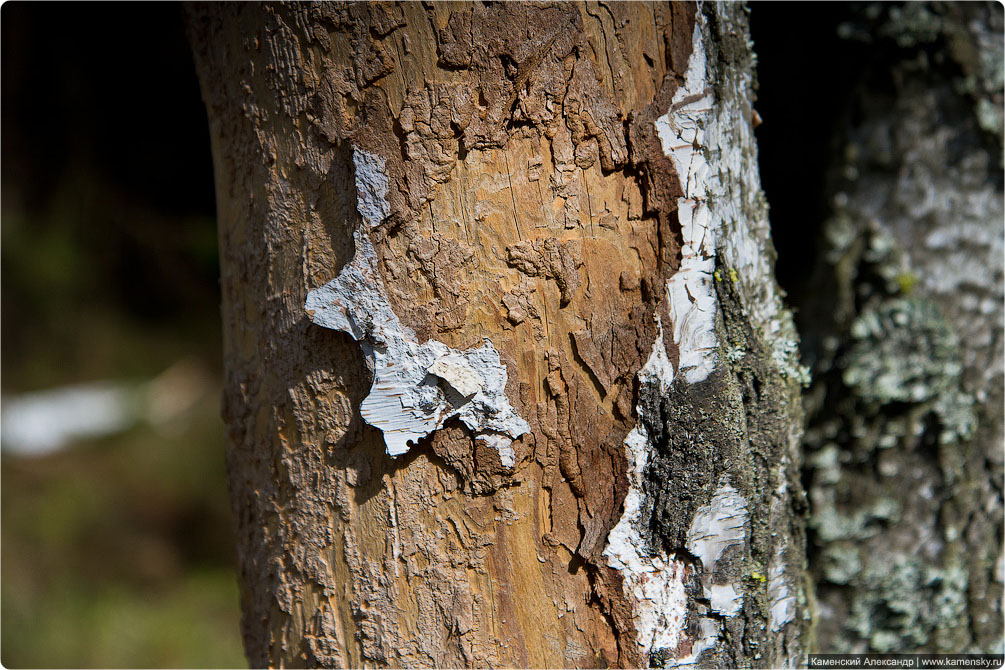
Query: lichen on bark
[[735, 430], [527, 201], [905, 425]]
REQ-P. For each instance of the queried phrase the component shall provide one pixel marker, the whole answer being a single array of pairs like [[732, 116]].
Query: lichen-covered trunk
[[508, 378], [903, 325]]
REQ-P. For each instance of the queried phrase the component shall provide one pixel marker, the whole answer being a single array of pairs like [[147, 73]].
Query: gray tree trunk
[[509, 381], [905, 413]]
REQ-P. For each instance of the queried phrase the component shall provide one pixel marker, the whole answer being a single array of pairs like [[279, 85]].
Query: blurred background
[[115, 533], [116, 542]]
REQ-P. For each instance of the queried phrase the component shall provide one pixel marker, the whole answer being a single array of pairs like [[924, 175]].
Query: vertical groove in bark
[[530, 203]]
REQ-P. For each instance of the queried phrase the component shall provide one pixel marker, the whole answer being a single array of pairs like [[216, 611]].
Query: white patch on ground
[[46, 421], [416, 387]]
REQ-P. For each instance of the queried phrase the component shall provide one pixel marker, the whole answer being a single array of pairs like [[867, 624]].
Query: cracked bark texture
[[904, 437], [530, 203]]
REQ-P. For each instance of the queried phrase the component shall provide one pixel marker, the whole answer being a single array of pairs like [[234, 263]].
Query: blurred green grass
[[118, 553], [115, 552]]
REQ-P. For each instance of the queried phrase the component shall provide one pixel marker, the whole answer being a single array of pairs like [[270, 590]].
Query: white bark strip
[[655, 584], [690, 291], [416, 388], [781, 601], [710, 143]]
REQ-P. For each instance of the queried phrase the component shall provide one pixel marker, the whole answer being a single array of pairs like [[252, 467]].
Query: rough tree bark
[[905, 441], [508, 379]]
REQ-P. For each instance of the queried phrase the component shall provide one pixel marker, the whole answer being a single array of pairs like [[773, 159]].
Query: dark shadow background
[[805, 75], [116, 550]]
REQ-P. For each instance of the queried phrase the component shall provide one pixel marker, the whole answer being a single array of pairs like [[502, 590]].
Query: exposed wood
[[530, 204]]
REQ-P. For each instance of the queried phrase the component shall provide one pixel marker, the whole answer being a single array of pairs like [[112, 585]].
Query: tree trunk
[[508, 379], [905, 414]]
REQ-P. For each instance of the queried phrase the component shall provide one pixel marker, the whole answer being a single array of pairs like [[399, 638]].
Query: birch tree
[[905, 441], [508, 378]]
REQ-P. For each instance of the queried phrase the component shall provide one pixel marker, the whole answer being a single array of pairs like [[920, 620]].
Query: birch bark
[[903, 323], [509, 381]]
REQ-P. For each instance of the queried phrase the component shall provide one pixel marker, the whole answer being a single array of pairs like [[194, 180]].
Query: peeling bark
[[572, 191]]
